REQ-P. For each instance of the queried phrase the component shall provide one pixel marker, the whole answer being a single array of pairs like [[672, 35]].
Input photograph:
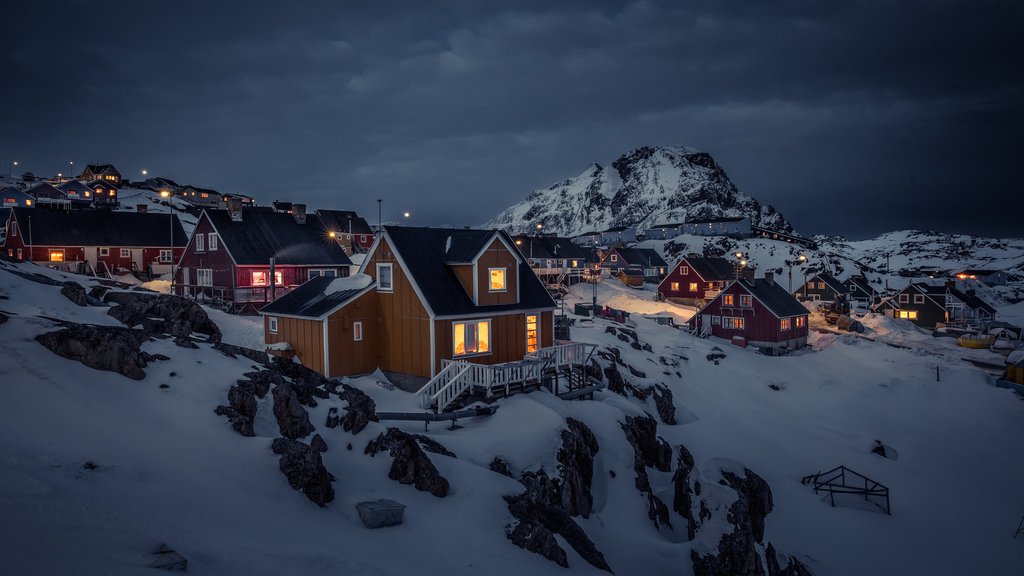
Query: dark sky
[[850, 117]]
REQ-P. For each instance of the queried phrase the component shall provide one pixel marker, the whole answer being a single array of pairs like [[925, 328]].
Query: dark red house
[[229, 255], [759, 312], [108, 242], [695, 280]]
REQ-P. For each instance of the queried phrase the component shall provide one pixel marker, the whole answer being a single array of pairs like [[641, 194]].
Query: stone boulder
[[576, 468], [361, 409], [292, 418], [304, 469], [108, 348], [75, 292], [685, 487], [241, 408], [793, 566], [162, 314], [649, 451], [411, 464]]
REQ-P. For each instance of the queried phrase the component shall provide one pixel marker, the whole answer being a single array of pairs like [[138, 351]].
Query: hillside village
[[656, 388]]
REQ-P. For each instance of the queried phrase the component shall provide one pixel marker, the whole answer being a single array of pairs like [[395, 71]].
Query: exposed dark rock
[[110, 348], [411, 465], [576, 467], [664, 403], [241, 409], [649, 451], [361, 409], [305, 470], [318, 443], [662, 395], [540, 517], [332, 418], [258, 356], [262, 381], [309, 384], [292, 418], [793, 567], [98, 292], [501, 467], [685, 490], [75, 292], [3, 317], [433, 446], [737, 551], [162, 314], [758, 495]]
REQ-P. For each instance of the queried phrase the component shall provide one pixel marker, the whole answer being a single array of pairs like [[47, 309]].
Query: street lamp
[[741, 263], [166, 194], [539, 228], [71, 171], [11, 171], [145, 172], [790, 263]]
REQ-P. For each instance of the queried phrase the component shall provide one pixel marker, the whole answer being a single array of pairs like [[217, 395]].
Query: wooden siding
[[496, 256], [219, 261], [929, 312], [759, 323], [684, 294], [348, 356], [508, 337], [403, 325], [810, 290], [306, 337]]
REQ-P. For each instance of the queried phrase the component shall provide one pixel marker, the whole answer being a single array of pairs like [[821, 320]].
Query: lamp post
[[539, 228], [742, 261], [790, 263], [71, 171], [11, 171], [166, 194]]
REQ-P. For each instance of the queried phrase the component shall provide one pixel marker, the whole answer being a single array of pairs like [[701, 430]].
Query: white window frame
[[904, 298], [504, 279], [801, 321], [14, 227], [918, 298], [204, 276], [694, 287], [104, 251], [272, 324], [730, 322], [200, 243], [169, 256], [391, 273], [785, 325], [211, 242], [126, 253], [684, 270], [490, 338], [716, 320], [746, 300], [537, 330], [613, 258], [357, 331]]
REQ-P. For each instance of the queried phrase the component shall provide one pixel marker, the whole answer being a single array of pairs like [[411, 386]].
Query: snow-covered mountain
[[647, 186]]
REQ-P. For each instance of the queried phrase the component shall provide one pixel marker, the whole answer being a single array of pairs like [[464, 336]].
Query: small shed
[[1015, 367]]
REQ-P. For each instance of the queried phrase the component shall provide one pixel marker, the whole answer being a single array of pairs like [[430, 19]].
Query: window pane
[[484, 338], [531, 333], [460, 339], [497, 278], [259, 278]]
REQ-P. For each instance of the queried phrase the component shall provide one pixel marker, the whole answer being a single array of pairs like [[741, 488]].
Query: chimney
[[235, 208], [142, 208], [299, 213], [769, 277]]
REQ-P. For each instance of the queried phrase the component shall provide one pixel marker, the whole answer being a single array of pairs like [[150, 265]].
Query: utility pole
[[379, 202]]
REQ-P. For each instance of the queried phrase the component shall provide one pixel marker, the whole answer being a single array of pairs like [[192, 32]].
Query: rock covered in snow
[[576, 467], [108, 348], [410, 465], [647, 186], [292, 418], [305, 470], [241, 408], [162, 313]]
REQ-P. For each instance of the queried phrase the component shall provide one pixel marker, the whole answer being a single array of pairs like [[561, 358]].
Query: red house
[[101, 240], [757, 313], [229, 255], [695, 280]]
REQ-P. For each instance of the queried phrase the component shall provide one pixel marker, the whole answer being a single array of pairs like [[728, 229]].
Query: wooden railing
[[443, 380]]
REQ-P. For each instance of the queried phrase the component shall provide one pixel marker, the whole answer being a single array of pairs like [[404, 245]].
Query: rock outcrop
[[685, 488], [292, 418], [361, 409], [305, 470], [661, 394], [108, 348], [241, 408], [576, 468], [649, 451], [410, 465], [162, 314], [75, 292]]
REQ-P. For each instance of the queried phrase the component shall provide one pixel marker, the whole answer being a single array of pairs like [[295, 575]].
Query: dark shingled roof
[[338, 220], [98, 228], [641, 256], [779, 301], [971, 300], [18, 195], [310, 299], [100, 168], [979, 272], [74, 186], [861, 283], [551, 247], [831, 281], [264, 233], [712, 269], [45, 190], [423, 252]]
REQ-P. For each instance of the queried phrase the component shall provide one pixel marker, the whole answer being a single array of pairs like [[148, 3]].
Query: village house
[[101, 172], [46, 193], [927, 305], [229, 257], [783, 236], [989, 277], [646, 262], [99, 241], [663, 232], [695, 280], [430, 297], [11, 197], [77, 193], [758, 313], [555, 259], [104, 192], [350, 229], [859, 291], [588, 239], [820, 286], [738, 226], [201, 197], [618, 235]]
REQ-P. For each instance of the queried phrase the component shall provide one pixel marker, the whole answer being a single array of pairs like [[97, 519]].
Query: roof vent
[[769, 277], [299, 213]]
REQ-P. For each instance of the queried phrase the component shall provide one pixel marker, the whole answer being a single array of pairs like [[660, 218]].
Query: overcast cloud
[[850, 117]]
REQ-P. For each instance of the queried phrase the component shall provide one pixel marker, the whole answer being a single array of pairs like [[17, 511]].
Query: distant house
[[1015, 367], [589, 239], [663, 232], [77, 192], [160, 184], [928, 304], [101, 172], [989, 277], [243, 200], [694, 280], [726, 226], [552, 257], [821, 286], [11, 197], [350, 229], [105, 192], [618, 235], [783, 236], [758, 313], [651, 264], [109, 242], [859, 291], [202, 197], [46, 193], [228, 256], [432, 297]]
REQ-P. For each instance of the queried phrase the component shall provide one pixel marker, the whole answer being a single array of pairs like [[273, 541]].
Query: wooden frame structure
[[842, 480]]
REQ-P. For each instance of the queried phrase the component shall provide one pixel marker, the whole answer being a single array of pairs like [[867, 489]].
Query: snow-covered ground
[[169, 470]]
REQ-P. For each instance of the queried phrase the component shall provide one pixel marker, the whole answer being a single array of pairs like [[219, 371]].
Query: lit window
[[745, 300], [497, 279], [385, 279], [357, 331], [532, 333], [272, 324], [212, 241], [674, 286], [200, 243], [684, 270], [259, 278], [111, 193], [730, 323], [88, 194], [471, 337], [126, 253], [784, 324], [801, 321], [204, 195], [727, 300], [693, 286], [165, 256], [56, 255], [575, 263]]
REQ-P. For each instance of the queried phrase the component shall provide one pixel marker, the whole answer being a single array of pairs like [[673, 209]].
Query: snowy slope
[[170, 470], [130, 198], [647, 186]]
